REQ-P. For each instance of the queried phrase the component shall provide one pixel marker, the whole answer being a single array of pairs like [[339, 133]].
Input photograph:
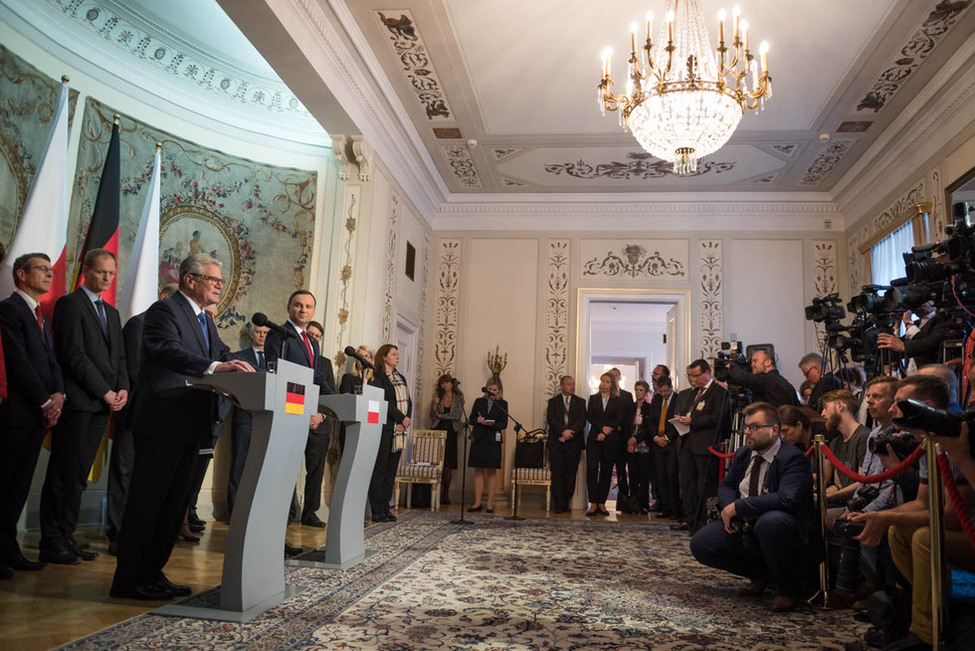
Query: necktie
[[662, 425], [568, 401], [753, 479], [202, 318], [311, 356], [102, 317], [260, 360], [40, 319]]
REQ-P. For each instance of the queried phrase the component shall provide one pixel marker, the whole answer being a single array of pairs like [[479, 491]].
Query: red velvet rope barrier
[[719, 454], [875, 479], [809, 452], [960, 510]]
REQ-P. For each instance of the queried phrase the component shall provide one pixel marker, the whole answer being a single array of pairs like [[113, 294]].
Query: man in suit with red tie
[[769, 527], [35, 396], [302, 349], [566, 417], [706, 417], [88, 340], [169, 422]]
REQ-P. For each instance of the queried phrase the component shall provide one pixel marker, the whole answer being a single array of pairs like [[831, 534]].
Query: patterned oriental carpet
[[537, 584]]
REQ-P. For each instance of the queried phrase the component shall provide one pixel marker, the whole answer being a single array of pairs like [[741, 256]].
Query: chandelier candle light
[[683, 101]]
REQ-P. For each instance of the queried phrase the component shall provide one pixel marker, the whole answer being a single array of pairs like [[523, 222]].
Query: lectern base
[[321, 565], [219, 614]]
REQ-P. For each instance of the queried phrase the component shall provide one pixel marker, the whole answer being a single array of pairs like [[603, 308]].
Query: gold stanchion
[[822, 597], [936, 506]]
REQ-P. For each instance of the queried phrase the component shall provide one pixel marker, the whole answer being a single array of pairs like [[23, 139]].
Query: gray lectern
[[364, 416], [253, 565]]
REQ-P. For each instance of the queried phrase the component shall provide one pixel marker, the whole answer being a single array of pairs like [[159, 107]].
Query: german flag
[[294, 402]]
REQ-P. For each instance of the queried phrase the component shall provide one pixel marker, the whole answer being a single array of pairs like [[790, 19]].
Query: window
[[886, 259]]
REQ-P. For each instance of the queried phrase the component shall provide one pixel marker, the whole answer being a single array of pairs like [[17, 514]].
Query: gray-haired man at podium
[[169, 421]]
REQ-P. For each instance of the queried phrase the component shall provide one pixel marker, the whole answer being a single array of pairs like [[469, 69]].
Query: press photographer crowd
[[859, 497]]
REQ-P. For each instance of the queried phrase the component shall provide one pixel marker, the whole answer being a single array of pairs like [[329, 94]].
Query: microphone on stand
[[260, 320], [351, 352]]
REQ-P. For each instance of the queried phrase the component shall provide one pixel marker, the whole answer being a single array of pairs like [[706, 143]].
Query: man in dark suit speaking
[[566, 417], [169, 422], [88, 339], [769, 529]]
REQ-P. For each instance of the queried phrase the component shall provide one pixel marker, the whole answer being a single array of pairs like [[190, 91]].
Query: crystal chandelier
[[682, 100]]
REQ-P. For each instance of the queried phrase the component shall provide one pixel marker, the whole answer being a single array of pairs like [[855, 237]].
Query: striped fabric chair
[[424, 466], [533, 477]]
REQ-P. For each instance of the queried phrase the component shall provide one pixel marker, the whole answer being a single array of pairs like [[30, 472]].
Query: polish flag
[[140, 289], [43, 226]]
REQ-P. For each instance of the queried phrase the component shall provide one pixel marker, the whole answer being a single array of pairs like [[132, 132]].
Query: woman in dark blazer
[[490, 417], [352, 382], [399, 411], [604, 413], [447, 411], [639, 452]]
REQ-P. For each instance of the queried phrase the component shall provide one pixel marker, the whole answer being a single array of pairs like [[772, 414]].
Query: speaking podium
[[364, 416], [281, 405]]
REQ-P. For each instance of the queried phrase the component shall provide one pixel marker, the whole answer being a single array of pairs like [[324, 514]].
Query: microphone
[[455, 381], [351, 352], [490, 393], [260, 320]]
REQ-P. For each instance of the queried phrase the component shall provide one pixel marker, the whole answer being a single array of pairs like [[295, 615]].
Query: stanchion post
[[818, 442], [935, 507]]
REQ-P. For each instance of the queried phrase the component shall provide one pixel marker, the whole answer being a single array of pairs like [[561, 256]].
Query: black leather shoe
[[192, 519], [144, 592], [174, 589], [291, 551], [313, 521], [113, 548], [6, 572], [474, 509], [79, 545], [390, 517], [196, 528], [59, 556], [680, 526], [81, 552], [379, 517], [22, 564]]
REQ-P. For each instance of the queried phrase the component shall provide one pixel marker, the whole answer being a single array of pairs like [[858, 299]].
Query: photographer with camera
[[765, 382], [921, 342], [769, 527], [850, 447], [907, 526], [812, 367]]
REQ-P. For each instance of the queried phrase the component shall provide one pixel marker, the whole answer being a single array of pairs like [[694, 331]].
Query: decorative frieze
[[389, 295], [556, 313], [404, 37], [447, 307], [640, 166], [828, 159], [657, 259], [824, 271], [462, 165], [350, 237], [711, 267]]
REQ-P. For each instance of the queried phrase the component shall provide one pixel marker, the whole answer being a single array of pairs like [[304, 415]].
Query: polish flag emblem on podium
[[373, 411]]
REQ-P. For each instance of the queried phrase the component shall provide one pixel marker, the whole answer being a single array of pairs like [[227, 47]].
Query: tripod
[[463, 482]]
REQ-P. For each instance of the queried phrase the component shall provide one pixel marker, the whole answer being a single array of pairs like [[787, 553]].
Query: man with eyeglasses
[[169, 423], [769, 529], [814, 369], [35, 396], [765, 382]]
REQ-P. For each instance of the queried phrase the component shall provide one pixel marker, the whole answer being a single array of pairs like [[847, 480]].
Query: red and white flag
[[140, 289], [43, 226]]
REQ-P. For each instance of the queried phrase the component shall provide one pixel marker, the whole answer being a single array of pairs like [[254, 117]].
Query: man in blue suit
[[34, 400], [242, 424], [768, 489], [169, 422]]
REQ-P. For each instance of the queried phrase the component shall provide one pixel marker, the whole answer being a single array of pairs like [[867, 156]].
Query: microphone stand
[[514, 469], [463, 482]]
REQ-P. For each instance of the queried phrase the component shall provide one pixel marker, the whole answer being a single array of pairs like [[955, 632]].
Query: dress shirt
[[33, 305], [197, 311], [768, 456]]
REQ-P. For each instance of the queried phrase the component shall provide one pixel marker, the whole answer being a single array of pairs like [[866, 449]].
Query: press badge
[[497, 437], [700, 406]]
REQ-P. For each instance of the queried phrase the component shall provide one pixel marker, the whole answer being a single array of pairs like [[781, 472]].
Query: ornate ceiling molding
[[827, 160], [404, 38], [462, 165], [641, 166]]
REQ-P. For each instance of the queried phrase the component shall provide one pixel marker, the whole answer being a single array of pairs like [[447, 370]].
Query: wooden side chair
[[424, 466], [534, 477]]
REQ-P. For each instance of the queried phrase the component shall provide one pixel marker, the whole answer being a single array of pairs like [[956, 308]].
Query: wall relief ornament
[[640, 166], [422, 329], [635, 261], [938, 217], [924, 39], [404, 37], [350, 236], [556, 313], [447, 307], [462, 165], [824, 275], [855, 262], [829, 158], [389, 296], [711, 265]]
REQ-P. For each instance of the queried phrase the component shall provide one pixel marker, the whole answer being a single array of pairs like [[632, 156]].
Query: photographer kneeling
[[769, 527], [764, 381]]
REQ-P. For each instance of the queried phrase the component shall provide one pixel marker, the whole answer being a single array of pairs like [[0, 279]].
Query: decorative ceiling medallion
[[447, 133], [826, 161], [853, 126], [504, 152], [406, 42], [462, 165], [640, 166], [788, 148], [160, 48], [922, 42]]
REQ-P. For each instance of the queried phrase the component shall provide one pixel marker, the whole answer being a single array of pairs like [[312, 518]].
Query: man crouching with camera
[[769, 528]]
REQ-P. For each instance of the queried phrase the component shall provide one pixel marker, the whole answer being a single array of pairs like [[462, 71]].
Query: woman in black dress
[[490, 417], [399, 410], [448, 414], [602, 446]]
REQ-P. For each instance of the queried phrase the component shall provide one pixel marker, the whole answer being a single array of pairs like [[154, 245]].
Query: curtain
[[886, 261]]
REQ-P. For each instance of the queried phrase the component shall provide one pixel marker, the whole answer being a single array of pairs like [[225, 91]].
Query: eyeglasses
[[754, 428], [45, 270], [694, 375], [211, 279]]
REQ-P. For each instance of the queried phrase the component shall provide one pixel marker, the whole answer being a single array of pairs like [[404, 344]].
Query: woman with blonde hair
[[490, 417], [604, 414], [356, 376]]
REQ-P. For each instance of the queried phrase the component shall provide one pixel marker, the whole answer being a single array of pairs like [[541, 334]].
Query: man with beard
[[768, 531], [850, 447]]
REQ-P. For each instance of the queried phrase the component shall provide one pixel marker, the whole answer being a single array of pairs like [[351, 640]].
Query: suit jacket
[[295, 351], [708, 416], [790, 487], [242, 416], [656, 404], [173, 347], [555, 417], [926, 344], [599, 417], [627, 412], [33, 373], [641, 433], [3, 374], [325, 364], [93, 362]]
